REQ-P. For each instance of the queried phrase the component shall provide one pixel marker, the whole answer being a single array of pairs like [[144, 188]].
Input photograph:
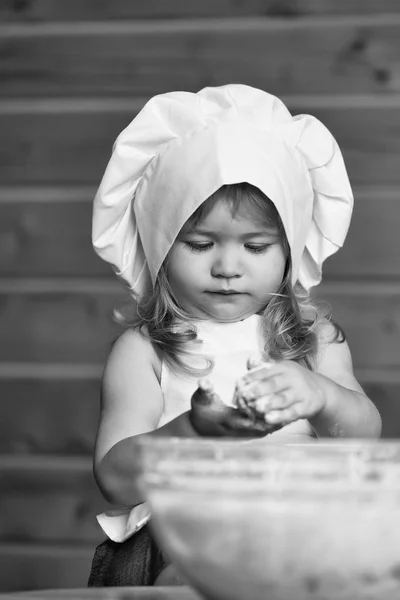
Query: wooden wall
[[72, 75]]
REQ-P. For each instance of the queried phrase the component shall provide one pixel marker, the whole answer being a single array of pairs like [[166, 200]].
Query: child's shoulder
[[328, 333], [133, 344], [333, 355]]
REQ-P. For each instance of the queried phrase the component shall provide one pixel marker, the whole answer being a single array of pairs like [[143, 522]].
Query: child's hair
[[290, 319]]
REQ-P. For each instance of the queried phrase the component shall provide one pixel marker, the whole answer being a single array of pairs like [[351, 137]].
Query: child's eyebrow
[[249, 234], [266, 232]]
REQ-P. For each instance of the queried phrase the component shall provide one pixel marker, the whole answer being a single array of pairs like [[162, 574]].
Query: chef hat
[[182, 147]]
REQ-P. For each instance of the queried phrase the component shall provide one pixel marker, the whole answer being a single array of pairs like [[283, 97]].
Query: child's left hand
[[284, 392], [211, 417]]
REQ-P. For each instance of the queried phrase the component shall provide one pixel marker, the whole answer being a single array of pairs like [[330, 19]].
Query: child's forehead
[[219, 211]]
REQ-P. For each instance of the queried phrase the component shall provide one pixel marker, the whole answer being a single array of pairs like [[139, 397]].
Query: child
[[218, 209]]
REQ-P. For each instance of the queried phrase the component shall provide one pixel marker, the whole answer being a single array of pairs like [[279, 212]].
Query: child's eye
[[257, 248], [195, 247]]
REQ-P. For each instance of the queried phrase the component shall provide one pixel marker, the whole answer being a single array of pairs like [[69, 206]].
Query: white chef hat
[[183, 146]]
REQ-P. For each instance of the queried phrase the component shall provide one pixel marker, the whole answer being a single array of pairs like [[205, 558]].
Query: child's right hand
[[210, 417]]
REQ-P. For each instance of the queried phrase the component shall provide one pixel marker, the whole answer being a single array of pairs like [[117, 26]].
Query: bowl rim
[[185, 450], [148, 440]]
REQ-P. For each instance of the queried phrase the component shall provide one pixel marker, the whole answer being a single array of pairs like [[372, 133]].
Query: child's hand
[[210, 417], [283, 392]]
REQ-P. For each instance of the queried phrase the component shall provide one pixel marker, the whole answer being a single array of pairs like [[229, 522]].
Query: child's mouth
[[226, 292]]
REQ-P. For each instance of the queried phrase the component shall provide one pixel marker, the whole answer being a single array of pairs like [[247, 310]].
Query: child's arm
[[347, 411], [131, 405], [330, 397]]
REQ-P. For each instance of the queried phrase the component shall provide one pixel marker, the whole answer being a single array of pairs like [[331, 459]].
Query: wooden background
[[72, 75]]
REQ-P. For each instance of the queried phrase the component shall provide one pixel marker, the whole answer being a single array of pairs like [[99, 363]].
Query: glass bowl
[[254, 521]]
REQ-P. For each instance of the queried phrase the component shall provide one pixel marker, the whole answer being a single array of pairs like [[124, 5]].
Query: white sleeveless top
[[230, 345]]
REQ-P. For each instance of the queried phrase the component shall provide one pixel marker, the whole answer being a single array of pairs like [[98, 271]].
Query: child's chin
[[229, 314]]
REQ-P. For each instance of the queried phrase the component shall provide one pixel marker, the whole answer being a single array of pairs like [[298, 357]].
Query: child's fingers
[[261, 372], [240, 402], [253, 362], [258, 360], [284, 416], [265, 387], [206, 385], [262, 405], [204, 396], [272, 402]]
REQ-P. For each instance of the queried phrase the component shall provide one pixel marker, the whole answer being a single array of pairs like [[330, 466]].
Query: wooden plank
[[66, 321], [33, 567], [60, 416], [47, 150], [59, 10], [370, 315], [41, 145], [49, 501], [48, 236], [46, 233], [372, 247], [329, 55], [386, 396], [57, 321]]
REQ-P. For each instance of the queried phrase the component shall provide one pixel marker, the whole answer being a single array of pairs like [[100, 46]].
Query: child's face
[[226, 253]]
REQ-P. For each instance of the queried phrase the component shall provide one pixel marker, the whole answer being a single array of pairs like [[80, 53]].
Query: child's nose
[[227, 265]]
